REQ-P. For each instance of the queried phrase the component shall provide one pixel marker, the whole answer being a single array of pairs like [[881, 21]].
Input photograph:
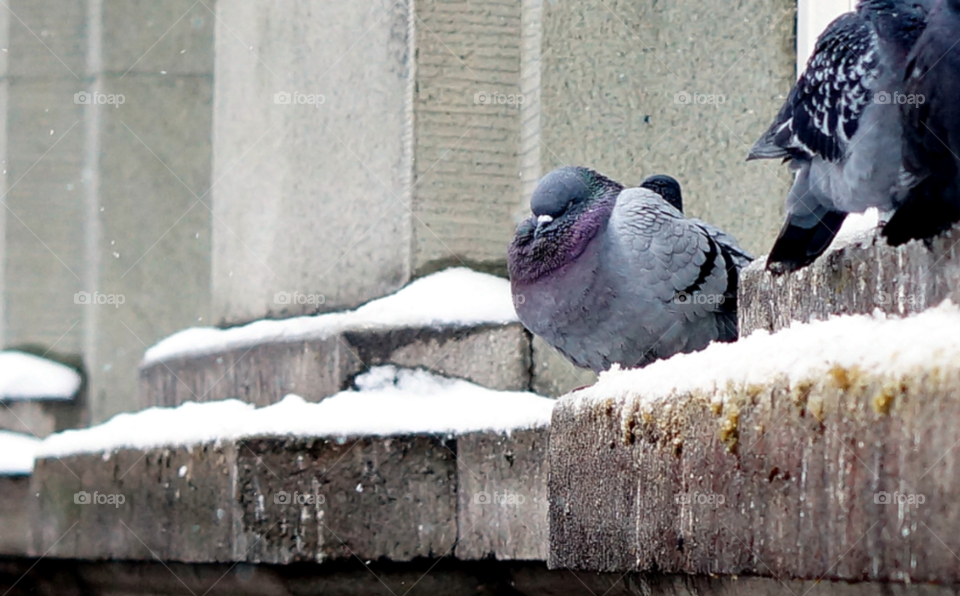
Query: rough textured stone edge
[[798, 469]]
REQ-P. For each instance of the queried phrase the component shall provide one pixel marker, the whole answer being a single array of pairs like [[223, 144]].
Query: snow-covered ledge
[[408, 465], [825, 451], [857, 274], [458, 322]]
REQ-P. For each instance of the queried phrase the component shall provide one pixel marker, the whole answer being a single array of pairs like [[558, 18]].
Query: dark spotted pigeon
[[612, 275], [931, 139], [840, 127]]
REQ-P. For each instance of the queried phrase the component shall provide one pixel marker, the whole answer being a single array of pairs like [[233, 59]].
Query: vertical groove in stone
[[530, 111], [466, 131]]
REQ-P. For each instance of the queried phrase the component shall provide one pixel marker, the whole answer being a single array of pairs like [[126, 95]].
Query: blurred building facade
[[187, 163]]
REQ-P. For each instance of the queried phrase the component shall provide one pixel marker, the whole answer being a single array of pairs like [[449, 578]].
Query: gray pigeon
[[931, 136], [612, 275], [840, 127]]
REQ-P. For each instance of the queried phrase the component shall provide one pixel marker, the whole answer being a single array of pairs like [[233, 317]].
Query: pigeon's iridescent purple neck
[[533, 257]]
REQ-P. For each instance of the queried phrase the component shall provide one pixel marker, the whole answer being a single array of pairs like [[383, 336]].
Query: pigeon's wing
[[728, 244], [666, 256], [823, 110]]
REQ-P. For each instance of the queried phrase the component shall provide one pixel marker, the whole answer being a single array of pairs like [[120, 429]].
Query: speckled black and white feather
[[821, 115], [840, 130]]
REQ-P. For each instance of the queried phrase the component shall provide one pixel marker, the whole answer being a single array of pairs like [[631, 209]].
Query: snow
[[25, 376], [16, 453], [455, 297], [857, 227], [876, 344], [388, 401]]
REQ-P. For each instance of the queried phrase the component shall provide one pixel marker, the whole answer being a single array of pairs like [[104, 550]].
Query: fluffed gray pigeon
[[612, 275], [840, 127], [931, 138]]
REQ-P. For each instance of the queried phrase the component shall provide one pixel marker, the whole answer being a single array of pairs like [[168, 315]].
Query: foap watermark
[[499, 498], [114, 300], [85, 98], [897, 98], [496, 98], [98, 498], [518, 300], [699, 498], [298, 498], [911, 300], [698, 298], [285, 98], [286, 298], [685, 98], [898, 498]]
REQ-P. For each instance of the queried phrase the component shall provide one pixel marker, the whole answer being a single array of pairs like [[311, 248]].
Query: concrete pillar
[[620, 83], [467, 104], [101, 195], [312, 197]]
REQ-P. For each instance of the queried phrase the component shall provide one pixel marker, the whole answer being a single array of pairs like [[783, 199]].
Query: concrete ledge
[[853, 278], [287, 500], [495, 356], [502, 495], [780, 480], [15, 506]]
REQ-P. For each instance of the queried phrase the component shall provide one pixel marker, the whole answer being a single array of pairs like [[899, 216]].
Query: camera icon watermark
[[298, 498], [97, 498], [897, 98], [85, 298], [898, 498], [483, 98], [287, 299], [697, 298], [699, 498], [685, 98], [498, 498], [286, 98], [85, 98]]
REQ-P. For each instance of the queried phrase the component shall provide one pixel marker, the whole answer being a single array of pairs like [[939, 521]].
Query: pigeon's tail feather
[[930, 209], [799, 245], [767, 148]]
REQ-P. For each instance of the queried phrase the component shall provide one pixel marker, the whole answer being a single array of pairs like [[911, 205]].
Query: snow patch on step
[[456, 297], [17, 453], [28, 377], [388, 402], [876, 344]]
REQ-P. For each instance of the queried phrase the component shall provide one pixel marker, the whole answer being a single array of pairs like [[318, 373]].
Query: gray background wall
[[200, 198]]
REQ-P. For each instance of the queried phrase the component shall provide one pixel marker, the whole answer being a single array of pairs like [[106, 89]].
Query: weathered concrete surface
[[310, 198], [286, 500], [788, 482], [101, 197], [15, 508], [466, 140], [52, 577], [619, 83], [855, 278], [392, 498], [554, 375], [502, 495], [493, 356], [41, 417], [267, 500]]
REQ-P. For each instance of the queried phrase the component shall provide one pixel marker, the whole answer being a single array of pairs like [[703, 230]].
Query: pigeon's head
[[899, 21], [569, 206], [666, 187]]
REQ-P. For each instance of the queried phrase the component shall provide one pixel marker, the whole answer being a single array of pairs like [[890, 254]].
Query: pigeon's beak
[[542, 222]]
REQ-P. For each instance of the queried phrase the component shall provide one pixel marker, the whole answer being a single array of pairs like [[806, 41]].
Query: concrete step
[[38, 396], [858, 274], [458, 323], [462, 482], [825, 451]]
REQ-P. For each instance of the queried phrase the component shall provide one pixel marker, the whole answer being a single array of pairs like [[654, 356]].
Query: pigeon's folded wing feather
[[822, 112], [664, 253], [741, 258]]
